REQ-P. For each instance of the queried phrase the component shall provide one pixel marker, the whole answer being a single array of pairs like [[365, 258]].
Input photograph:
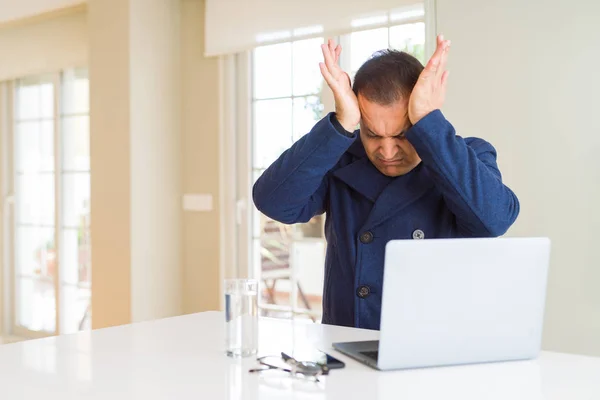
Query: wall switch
[[198, 202]]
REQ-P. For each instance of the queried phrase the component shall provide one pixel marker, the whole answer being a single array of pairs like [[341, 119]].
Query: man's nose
[[389, 150]]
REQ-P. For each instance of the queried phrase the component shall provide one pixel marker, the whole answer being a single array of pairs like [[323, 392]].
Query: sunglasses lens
[[274, 362], [308, 368]]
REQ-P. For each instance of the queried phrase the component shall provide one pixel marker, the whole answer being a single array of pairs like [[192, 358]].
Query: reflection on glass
[[36, 308], [272, 130], [39, 356], [306, 73], [409, 38], [272, 68], [307, 112], [364, 44]]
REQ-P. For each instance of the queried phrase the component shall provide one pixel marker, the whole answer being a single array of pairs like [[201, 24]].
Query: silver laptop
[[458, 301]]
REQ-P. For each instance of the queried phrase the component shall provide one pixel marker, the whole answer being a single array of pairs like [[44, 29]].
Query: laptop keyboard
[[371, 354]]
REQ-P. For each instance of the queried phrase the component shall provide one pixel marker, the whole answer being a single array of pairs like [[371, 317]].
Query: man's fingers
[[437, 62], [328, 56], [445, 79], [443, 58], [338, 51], [434, 61], [348, 79], [327, 76], [431, 67]]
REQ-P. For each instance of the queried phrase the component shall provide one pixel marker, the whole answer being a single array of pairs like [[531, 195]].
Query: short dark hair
[[388, 76]]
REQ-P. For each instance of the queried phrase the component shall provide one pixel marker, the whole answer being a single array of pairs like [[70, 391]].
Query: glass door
[[50, 227], [35, 258]]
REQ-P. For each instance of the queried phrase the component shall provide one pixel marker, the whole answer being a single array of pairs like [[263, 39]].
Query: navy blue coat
[[455, 192]]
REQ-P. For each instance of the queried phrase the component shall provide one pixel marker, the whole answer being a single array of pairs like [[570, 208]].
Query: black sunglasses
[[286, 363]]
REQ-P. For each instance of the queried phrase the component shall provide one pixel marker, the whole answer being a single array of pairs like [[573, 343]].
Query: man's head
[[383, 86]]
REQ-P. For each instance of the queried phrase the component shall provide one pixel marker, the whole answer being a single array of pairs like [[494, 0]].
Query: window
[[286, 103], [50, 260]]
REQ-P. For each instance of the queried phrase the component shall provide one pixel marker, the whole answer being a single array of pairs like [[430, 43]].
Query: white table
[[182, 358]]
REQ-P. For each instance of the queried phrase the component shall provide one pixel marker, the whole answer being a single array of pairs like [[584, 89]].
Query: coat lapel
[[389, 195], [401, 192], [361, 175]]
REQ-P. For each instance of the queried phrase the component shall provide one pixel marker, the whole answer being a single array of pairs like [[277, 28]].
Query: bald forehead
[[385, 121]]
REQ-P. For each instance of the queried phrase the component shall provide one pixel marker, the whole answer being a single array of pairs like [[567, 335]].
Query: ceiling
[[14, 10]]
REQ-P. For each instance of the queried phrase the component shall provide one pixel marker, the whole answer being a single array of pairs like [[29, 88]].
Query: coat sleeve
[[294, 188], [466, 172]]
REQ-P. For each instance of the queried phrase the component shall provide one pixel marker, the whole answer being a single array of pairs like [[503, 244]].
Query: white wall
[[523, 76], [201, 98], [4, 161], [135, 98], [156, 216]]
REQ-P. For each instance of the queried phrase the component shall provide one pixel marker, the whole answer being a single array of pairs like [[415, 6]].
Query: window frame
[[345, 63], [9, 267], [240, 105]]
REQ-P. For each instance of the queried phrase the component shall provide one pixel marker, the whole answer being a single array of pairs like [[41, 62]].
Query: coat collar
[[362, 176], [400, 193], [390, 195]]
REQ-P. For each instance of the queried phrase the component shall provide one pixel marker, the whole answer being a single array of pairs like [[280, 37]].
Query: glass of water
[[241, 317]]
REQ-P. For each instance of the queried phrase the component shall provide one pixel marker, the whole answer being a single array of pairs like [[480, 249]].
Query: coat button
[[366, 237], [363, 291], [418, 234]]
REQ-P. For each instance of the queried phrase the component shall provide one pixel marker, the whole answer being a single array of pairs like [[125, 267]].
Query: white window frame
[[9, 327], [7, 205], [238, 185]]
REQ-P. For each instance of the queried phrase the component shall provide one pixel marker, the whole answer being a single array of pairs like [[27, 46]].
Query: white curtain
[[232, 26]]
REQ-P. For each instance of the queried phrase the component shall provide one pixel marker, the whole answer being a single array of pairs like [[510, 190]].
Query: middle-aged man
[[409, 176]]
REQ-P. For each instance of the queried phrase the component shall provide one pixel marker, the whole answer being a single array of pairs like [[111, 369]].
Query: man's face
[[382, 134]]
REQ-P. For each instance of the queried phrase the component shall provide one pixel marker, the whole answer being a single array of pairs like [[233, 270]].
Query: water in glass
[[241, 317]]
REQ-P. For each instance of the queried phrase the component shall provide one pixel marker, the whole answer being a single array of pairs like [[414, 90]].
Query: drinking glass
[[241, 317]]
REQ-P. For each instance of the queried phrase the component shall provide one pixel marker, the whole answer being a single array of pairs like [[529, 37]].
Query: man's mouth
[[391, 162]]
